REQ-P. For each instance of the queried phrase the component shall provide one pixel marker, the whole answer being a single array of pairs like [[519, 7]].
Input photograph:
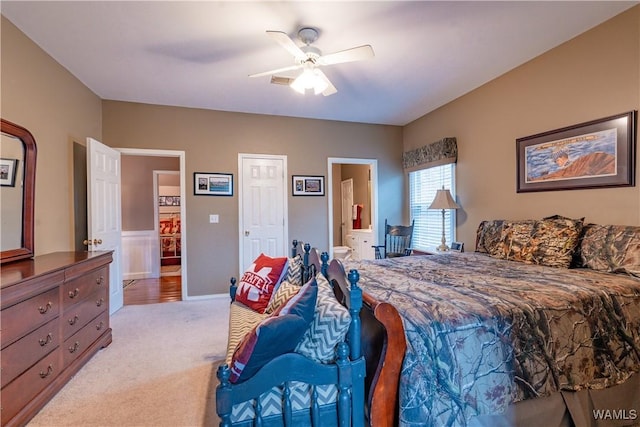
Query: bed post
[[306, 268], [232, 289], [324, 257], [223, 395], [355, 305], [358, 362], [294, 248]]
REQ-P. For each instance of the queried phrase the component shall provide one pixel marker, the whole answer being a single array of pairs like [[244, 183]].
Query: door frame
[[183, 199], [373, 165], [285, 194]]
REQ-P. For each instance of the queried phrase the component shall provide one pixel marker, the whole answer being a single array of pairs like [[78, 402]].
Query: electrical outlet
[[214, 218]]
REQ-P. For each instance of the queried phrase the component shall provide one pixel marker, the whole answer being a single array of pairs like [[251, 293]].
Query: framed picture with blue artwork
[[599, 153], [212, 184]]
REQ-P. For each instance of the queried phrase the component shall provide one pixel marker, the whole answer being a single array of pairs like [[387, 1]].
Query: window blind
[[423, 184]]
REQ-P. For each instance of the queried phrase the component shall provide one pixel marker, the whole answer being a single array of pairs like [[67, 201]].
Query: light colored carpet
[[158, 371]]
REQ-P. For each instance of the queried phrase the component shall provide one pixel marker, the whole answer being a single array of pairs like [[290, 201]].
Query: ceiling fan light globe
[[308, 79]]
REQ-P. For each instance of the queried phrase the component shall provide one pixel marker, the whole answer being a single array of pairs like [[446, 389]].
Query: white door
[[347, 209], [263, 207], [103, 211]]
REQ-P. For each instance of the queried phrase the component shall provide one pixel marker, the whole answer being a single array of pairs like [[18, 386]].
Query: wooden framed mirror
[[17, 191]]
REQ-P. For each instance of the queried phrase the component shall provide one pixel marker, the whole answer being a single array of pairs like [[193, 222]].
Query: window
[[423, 184]]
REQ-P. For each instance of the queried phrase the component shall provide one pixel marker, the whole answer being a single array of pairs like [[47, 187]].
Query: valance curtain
[[435, 154]]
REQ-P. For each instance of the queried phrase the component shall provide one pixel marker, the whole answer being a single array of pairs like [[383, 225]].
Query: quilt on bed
[[483, 333]]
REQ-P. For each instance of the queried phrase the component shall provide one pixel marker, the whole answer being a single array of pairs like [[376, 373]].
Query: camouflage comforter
[[483, 333]]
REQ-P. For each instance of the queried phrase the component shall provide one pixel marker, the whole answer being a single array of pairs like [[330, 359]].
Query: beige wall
[[212, 141], [42, 96], [137, 189], [595, 75]]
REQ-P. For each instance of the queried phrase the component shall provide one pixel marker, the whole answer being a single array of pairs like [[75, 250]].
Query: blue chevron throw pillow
[[329, 327]]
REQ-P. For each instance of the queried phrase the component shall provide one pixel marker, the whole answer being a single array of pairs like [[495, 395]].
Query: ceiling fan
[[309, 58]]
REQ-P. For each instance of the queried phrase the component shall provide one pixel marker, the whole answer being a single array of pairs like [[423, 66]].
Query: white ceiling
[[199, 54]]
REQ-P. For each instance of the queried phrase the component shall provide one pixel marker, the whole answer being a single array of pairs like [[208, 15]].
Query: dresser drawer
[[75, 345], [28, 385], [78, 315], [82, 287], [20, 355], [28, 315]]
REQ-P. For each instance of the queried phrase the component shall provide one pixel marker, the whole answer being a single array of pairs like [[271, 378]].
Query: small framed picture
[[8, 172], [457, 246], [168, 200], [307, 185], [212, 184]]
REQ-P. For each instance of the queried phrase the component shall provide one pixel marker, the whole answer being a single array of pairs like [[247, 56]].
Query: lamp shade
[[443, 200]]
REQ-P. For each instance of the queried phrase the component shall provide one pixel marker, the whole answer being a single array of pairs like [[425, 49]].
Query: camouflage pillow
[[488, 235], [549, 242], [611, 248]]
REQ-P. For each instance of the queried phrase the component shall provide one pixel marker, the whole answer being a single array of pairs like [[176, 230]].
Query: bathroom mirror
[[17, 192]]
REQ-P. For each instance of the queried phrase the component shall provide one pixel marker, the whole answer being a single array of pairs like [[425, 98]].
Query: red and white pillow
[[260, 281]]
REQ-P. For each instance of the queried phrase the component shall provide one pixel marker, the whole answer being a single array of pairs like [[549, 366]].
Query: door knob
[[246, 232], [97, 241], [86, 242]]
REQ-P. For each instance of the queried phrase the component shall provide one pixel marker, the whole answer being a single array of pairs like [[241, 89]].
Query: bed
[[510, 335]]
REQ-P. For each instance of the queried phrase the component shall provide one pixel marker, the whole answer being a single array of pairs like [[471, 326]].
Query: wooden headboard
[[383, 345]]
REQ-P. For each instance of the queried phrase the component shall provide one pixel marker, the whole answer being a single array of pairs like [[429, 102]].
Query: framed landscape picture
[[213, 184], [307, 185], [599, 153]]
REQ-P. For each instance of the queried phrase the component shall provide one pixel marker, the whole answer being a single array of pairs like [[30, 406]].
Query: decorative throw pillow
[[294, 270], [275, 335], [242, 320], [285, 291], [329, 327], [324, 287], [549, 242], [259, 282], [488, 235], [611, 248]]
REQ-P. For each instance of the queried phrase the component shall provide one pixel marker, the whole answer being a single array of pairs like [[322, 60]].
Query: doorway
[[364, 176], [146, 248]]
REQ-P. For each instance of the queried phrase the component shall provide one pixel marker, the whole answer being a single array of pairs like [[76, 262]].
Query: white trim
[[373, 164], [285, 193], [138, 248], [183, 205], [209, 296]]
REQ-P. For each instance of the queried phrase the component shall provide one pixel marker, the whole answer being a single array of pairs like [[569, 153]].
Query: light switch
[[214, 218]]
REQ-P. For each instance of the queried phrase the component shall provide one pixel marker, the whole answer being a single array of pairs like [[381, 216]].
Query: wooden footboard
[[383, 346]]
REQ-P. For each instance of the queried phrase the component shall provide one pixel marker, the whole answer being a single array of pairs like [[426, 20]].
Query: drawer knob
[[73, 320], [45, 341], [100, 280], [44, 375], [99, 302], [74, 293], [46, 308], [99, 325], [74, 347]]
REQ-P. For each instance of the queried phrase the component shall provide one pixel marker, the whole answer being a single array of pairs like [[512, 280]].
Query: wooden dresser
[[54, 318]]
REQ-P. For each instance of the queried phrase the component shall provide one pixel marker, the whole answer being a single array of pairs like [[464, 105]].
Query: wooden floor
[[151, 291]]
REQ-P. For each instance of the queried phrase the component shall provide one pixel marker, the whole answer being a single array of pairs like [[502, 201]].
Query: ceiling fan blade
[[331, 89], [285, 41], [278, 70], [348, 55]]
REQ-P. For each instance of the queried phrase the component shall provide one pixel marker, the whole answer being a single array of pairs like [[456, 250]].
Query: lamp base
[[443, 248]]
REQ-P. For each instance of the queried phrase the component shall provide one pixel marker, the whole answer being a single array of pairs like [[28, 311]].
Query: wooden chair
[[397, 241]]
